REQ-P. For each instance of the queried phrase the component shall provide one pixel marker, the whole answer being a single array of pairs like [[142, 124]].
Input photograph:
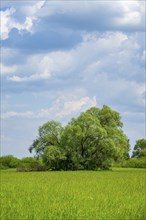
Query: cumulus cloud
[[87, 15], [8, 21], [59, 109], [45, 65], [109, 65], [82, 15], [70, 107], [115, 54], [133, 14]]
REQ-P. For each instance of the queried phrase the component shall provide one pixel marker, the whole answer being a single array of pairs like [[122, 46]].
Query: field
[[69, 195]]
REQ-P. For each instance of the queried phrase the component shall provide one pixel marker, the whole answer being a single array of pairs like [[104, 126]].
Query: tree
[[80, 139], [139, 148], [49, 135], [93, 140]]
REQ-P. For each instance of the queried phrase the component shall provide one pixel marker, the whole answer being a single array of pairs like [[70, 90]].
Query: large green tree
[[93, 140]]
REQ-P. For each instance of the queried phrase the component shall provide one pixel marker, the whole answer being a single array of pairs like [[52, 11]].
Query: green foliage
[[8, 161], [53, 157], [139, 148], [135, 163], [80, 139], [28, 160], [109, 118], [138, 159], [92, 141], [49, 135], [114, 195], [31, 164]]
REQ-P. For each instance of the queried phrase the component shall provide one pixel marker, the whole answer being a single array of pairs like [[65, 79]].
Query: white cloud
[[76, 105], [5, 22], [63, 63], [7, 69], [83, 14], [114, 14], [109, 66], [59, 109], [44, 66], [32, 9], [115, 54], [133, 13], [34, 77], [8, 22]]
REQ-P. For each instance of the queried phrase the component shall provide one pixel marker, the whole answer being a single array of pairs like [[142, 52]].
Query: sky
[[59, 58]]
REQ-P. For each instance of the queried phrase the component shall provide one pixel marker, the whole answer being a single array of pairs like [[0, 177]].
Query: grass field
[[106, 195]]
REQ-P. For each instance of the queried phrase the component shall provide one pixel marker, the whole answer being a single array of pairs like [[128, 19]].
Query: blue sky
[[59, 58]]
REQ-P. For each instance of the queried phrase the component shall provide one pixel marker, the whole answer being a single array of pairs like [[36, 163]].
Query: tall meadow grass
[[93, 195]]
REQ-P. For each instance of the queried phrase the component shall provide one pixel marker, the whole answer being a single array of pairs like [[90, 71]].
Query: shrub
[[135, 163], [31, 164], [9, 161]]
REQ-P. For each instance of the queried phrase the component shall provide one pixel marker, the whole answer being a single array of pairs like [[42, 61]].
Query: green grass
[[106, 195]]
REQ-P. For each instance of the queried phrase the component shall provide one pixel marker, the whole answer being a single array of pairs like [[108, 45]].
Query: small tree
[[139, 148]]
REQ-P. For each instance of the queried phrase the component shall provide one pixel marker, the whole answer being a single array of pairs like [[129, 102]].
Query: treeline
[[37, 164], [94, 140], [132, 163], [24, 164]]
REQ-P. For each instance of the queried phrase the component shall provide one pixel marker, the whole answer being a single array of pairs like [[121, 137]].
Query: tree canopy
[[49, 134], [139, 148], [93, 140]]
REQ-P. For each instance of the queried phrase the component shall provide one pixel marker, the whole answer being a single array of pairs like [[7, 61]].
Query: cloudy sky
[[58, 58]]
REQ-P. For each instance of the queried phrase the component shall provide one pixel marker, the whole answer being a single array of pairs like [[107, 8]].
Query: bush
[[31, 164], [2, 167], [9, 161], [135, 163]]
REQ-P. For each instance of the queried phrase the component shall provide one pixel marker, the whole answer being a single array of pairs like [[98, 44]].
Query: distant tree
[[31, 164], [9, 161], [28, 160], [139, 148]]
